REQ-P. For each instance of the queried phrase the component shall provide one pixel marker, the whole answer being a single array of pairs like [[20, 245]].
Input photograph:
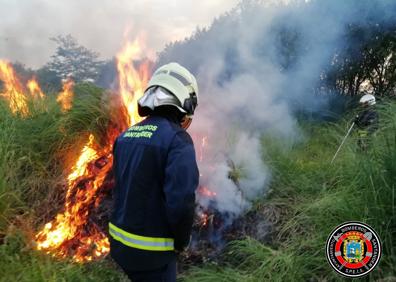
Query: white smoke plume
[[256, 66]]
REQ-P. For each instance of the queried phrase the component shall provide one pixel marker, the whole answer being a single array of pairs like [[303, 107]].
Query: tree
[[48, 80], [74, 60], [366, 61]]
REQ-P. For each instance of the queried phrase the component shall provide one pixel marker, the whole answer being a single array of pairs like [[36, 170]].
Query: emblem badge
[[353, 249]]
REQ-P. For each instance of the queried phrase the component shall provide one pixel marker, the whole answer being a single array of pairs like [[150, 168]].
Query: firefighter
[[156, 177], [367, 121]]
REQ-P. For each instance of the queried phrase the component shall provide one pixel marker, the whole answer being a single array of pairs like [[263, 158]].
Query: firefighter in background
[[367, 121], [156, 177]]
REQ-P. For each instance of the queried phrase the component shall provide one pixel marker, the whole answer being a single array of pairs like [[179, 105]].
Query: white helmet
[[171, 79], [367, 99]]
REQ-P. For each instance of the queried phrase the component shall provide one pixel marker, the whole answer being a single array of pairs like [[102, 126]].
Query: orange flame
[[131, 82], [13, 90], [206, 192], [59, 235], [34, 89], [72, 233], [65, 98]]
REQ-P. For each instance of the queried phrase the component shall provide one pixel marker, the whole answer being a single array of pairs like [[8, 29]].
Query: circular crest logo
[[353, 249]]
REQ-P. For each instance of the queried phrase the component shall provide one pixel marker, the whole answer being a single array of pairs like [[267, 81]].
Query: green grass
[[19, 262], [313, 197], [307, 197], [34, 153]]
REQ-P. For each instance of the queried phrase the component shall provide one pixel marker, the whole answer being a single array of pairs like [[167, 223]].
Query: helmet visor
[[158, 96]]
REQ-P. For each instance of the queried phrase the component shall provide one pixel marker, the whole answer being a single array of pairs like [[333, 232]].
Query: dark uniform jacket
[[367, 121], [156, 177]]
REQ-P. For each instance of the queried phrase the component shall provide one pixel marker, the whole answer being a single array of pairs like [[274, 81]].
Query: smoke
[[256, 67], [27, 25]]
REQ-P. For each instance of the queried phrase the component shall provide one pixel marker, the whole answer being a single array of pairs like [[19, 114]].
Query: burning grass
[[72, 143], [34, 154], [74, 233], [281, 238]]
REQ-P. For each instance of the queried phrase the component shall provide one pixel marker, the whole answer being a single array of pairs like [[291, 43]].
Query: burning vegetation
[[13, 90], [260, 71], [35, 89], [73, 233], [65, 97], [77, 232]]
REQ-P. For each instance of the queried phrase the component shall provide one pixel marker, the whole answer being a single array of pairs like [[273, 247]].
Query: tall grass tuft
[[308, 197], [35, 152], [315, 197]]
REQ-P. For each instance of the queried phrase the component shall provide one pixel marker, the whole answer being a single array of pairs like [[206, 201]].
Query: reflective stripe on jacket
[[362, 133], [141, 242], [154, 197]]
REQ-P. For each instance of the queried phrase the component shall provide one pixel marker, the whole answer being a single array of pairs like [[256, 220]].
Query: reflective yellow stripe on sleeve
[[141, 242], [362, 133]]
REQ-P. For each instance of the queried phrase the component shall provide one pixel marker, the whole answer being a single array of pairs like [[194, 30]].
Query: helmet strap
[[191, 103]]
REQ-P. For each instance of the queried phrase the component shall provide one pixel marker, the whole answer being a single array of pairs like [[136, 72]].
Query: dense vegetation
[[309, 197], [35, 152]]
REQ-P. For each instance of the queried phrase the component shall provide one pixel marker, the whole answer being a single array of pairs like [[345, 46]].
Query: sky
[[101, 25]]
